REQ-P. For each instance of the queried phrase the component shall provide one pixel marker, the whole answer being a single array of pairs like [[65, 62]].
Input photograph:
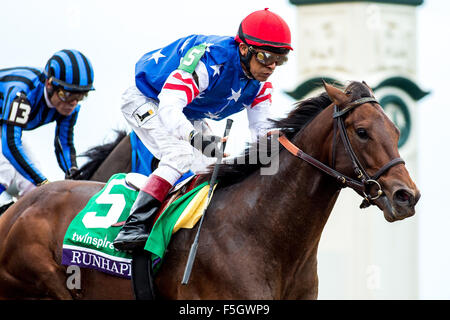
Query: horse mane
[[96, 155], [237, 169], [304, 111]]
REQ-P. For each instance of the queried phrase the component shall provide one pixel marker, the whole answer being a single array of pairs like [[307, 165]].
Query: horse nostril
[[417, 197], [404, 198]]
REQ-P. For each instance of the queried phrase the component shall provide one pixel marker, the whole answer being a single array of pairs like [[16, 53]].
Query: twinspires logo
[[98, 243]]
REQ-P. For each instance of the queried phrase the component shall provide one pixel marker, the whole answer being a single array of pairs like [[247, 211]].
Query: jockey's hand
[[73, 172], [42, 183], [208, 145]]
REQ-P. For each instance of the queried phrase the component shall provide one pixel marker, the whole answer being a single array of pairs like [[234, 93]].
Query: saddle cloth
[[89, 237]]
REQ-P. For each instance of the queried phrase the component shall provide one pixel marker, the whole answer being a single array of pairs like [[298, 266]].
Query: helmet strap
[[245, 60], [51, 88]]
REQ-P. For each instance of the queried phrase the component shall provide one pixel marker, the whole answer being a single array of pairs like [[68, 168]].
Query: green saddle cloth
[[89, 237]]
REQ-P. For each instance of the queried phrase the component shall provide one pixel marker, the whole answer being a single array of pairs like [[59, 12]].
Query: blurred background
[[399, 47]]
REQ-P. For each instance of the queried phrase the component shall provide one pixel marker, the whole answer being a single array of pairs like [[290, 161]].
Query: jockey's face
[[65, 108], [259, 71]]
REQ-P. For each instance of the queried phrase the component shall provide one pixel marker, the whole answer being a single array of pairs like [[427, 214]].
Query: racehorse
[[125, 154], [261, 233], [105, 160]]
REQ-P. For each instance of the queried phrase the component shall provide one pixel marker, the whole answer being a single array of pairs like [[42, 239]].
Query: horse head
[[362, 149], [345, 135]]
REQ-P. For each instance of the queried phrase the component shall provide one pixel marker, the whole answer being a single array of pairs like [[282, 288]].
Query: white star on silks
[[207, 46], [234, 95], [212, 116], [216, 69], [185, 44], [200, 95], [156, 55]]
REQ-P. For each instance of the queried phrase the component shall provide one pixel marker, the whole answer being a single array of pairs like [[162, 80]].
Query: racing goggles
[[268, 58], [68, 97]]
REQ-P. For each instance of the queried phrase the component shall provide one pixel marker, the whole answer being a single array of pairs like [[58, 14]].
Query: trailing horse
[[125, 154], [261, 234], [105, 160]]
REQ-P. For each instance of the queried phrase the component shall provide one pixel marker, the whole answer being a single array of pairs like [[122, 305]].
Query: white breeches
[[176, 156], [16, 184]]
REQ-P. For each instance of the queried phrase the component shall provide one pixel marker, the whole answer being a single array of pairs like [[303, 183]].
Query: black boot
[[136, 229]]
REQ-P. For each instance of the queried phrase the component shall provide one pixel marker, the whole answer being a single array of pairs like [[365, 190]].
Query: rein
[[365, 181]]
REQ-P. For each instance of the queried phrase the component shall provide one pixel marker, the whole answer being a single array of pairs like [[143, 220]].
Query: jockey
[[191, 79], [30, 98]]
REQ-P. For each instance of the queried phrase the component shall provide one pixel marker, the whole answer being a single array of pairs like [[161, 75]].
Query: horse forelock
[[358, 90]]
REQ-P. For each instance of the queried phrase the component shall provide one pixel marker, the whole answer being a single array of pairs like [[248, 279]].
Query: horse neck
[[290, 208], [310, 194]]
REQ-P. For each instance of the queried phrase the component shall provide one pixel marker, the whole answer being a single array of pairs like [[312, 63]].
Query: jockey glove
[[208, 145], [72, 173]]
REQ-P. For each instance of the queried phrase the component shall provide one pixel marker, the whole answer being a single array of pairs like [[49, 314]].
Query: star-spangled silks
[[228, 91]]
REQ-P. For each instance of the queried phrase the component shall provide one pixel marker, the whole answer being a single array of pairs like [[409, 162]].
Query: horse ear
[[337, 96], [371, 91]]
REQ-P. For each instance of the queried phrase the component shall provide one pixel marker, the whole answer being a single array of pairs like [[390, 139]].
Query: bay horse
[[107, 159], [125, 154], [261, 233]]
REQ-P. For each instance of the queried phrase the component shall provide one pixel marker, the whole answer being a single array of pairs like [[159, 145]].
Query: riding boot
[[137, 227]]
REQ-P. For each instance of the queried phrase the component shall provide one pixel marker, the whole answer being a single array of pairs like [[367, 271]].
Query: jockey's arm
[[259, 112], [64, 132], [13, 150], [11, 135], [179, 90]]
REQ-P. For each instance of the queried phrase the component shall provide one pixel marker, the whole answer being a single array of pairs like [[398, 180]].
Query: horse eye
[[362, 133]]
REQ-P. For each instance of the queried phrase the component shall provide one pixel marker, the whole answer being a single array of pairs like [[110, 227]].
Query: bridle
[[362, 186]]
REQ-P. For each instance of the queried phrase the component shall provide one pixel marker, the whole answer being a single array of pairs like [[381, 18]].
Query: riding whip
[[212, 182]]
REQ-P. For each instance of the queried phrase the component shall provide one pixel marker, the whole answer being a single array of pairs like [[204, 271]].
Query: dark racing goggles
[[268, 58], [68, 97]]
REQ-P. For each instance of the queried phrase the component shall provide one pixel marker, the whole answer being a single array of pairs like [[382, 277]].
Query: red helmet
[[264, 28]]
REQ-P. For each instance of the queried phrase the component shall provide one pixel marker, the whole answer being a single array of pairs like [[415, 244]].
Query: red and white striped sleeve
[[181, 85], [178, 91], [264, 94], [259, 111]]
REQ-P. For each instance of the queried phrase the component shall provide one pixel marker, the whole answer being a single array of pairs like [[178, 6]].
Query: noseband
[[365, 181]]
